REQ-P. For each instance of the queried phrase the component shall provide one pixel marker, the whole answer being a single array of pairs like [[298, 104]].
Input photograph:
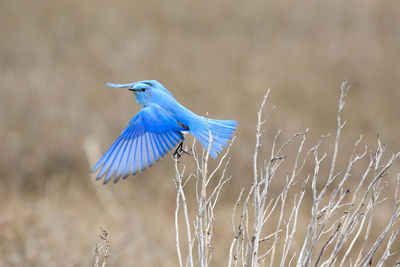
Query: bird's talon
[[180, 151]]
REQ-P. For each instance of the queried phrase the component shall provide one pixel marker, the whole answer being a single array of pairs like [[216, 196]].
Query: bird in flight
[[155, 130]]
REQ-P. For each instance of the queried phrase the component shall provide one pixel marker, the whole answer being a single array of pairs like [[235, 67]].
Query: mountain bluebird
[[156, 129]]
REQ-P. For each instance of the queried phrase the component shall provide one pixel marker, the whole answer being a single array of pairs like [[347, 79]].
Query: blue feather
[[155, 130]]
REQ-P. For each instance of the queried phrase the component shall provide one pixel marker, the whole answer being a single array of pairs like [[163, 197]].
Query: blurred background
[[216, 57]]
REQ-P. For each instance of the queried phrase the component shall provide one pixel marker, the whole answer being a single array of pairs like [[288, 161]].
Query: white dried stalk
[[207, 198], [181, 195], [340, 217]]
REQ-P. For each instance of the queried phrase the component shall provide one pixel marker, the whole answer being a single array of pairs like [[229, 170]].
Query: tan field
[[217, 58]]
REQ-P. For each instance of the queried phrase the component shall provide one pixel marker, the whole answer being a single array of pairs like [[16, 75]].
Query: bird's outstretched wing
[[148, 137]]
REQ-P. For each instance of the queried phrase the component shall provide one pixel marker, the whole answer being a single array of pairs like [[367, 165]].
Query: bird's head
[[143, 90]]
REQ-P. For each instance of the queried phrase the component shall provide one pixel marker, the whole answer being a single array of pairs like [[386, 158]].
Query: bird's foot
[[180, 151]]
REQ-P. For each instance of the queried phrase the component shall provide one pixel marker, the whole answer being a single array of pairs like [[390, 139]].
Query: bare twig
[[102, 249]]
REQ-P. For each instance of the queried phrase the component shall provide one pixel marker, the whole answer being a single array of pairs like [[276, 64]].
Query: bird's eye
[[143, 89]]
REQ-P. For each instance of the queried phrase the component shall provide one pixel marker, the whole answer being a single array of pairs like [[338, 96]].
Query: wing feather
[[162, 144], [150, 135], [115, 161], [154, 146], [128, 163], [110, 158], [167, 141]]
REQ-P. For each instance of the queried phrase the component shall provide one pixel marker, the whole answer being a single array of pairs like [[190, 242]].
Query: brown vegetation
[[215, 56]]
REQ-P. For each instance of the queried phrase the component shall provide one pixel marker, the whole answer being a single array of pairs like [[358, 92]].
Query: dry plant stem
[[207, 197], [343, 92], [253, 250], [387, 253], [359, 211], [265, 205], [336, 203], [340, 218], [313, 234], [242, 235], [393, 220], [393, 236], [203, 215], [102, 249], [236, 235], [181, 195], [283, 198]]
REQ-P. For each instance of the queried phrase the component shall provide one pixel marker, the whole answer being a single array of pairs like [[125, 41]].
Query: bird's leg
[[180, 151]]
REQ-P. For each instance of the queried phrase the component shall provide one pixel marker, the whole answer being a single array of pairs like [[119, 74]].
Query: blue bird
[[156, 129]]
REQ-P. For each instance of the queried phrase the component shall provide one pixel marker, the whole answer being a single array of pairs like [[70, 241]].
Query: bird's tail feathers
[[221, 132]]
